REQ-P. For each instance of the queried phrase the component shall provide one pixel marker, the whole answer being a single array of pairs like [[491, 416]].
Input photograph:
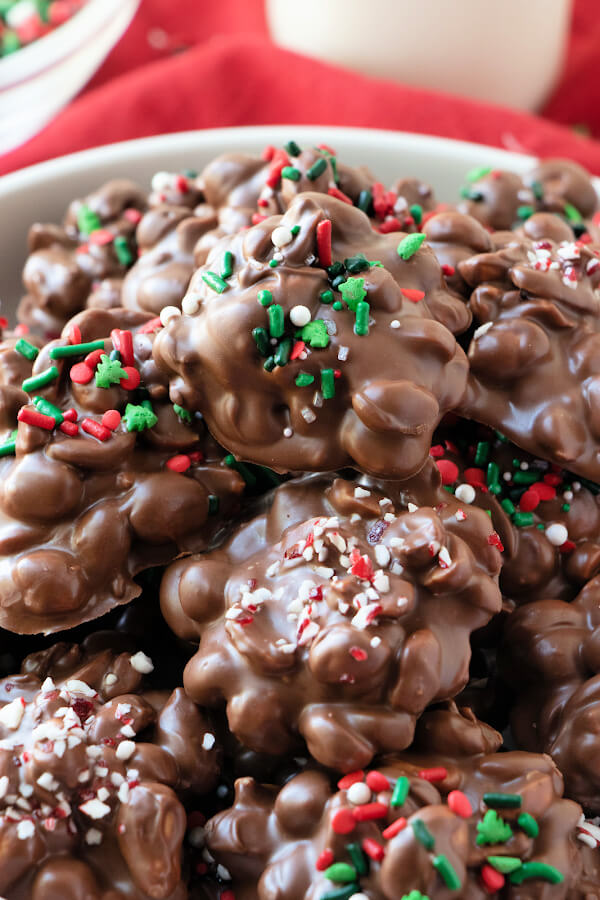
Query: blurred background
[[80, 73]]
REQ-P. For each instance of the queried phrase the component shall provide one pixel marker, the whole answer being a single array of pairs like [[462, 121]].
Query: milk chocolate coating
[[454, 237], [64, 264], [91, 764], [533, 567], [81, 516], [275, 839], [534, 370], [551, 652], [497, 197], [324, 620], [394, 383]]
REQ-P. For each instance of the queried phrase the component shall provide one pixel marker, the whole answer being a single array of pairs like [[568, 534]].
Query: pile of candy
[[24, 21]]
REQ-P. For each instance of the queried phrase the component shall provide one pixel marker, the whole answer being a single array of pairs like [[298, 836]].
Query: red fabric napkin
[[177, 69]]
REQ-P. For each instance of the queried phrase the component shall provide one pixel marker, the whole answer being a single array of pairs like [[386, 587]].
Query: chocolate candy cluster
[[304, 470]]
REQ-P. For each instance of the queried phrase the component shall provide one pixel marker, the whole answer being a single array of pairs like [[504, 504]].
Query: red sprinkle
[[361, 566], [227, 895], [179, 463], [529, 501], [181, 183], [257, 218], [70, 428], [324, 860], [262, 202], [391, 224], [268, 153], [297, 349], [81, 373], [20, 330], [567, 547], [437, 451], [33, 417], [95, 429], [448, 270], [132, 215], [494, 541], [544, 491], [74, 334], [437, 773], [327, 149], [448, 470], [459, 804], [492, 880], [369, 811], [395, 828], [101, 237], [123, 342], [351, 778], [476, 478], [151, 325], [280, 161], [377, 782], [343, 821], [70, 414], [324, 242], [552, 478], [111, 419], [132, 380], [412, 294], [358, 654], [340, 195], [93, 358], [373, 849]]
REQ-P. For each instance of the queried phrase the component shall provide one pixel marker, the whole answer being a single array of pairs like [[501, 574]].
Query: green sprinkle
[[505, 864], [341, 872], [326, 297], [566, 507], [265, 297], [114, 354], [400, 792], [359, 859], [493, 829], [213, 504], [26, 349], [292, 148], [477, 173], [357, 263], [190, 173], [291, 173], [214, 282], [365, 201], [269, 475], [482, 451], [316, 169], [138, 417], [227, 264], [49, 409], [276, 320], [415, 895], [572, 214], [261, 339], [304, 379], [446, 871], [248, 476], [528, 824], [76, 349], [361, 326], [9, 43], [423, 834], [540, 526], [315, 333], [8, 449], [409, 245], [493, 473], [109, 372], [353, 292], [536, 870], [327, 384], [269, 364], [525, 212], [338, 305], [40, 381], [526, 477], [523, 519], [282, 354], [343, 893], [335, 269], [376, 263], [274, 263], [508, 506], [295, 229], [537, 189], [87, 220], [183, 414], [501, 437], [503, 801], [470, 194], [123, 250], [416, 211]]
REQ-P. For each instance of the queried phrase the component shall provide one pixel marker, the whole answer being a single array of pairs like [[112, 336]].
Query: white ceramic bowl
[[41, 193], [38, 80]]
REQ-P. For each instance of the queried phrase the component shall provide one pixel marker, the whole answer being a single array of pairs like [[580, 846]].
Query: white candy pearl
[[168, 313], [281, 236], [358, 793], [300, 316], [465, 492], [190, 305], [557, 534], [161, 181], [359, 897], [18, 14]]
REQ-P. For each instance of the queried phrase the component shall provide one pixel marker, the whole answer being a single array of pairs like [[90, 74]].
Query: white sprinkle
[[101, 771], [281, 236], [110, 679], [208, 741], [358, 793], [343, 353], [308, 415], [125, 749], [26, 789], [360, 896], [47, 781], [59, 748], [127, 731], [80, 687], [169, 312], [196, 836], [18, 14], [412, 507], [382, 554], [48, 685], [394, 323], [123, 792], [12, 714], [93, 751], [465, 493], [116, 778], [557, 534], [288, 432], [93, 837], [300, 316], [568, 495], [25, 829], [222, 872], [479, 332], [381, 582], [389, 517], [3, 786], [375, 642], [95, 809], [444, 558], [587, 839], [576, 485], [103, 794], [361, 492], [83, 776], [190, 305], [161, 181], [142, 663]]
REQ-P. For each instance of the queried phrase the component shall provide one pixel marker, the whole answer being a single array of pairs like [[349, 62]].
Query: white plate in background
[[42, 193]]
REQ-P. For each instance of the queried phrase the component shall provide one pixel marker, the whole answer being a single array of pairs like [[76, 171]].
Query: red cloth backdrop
[[202, 64]]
